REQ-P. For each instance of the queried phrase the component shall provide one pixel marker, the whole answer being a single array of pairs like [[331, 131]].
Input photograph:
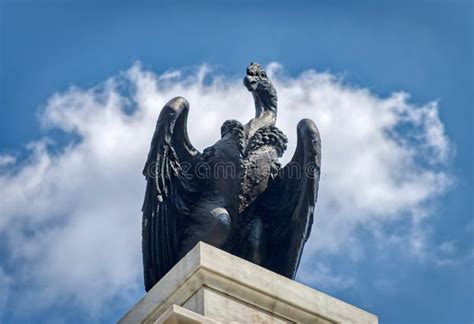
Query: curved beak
[[250, 83]]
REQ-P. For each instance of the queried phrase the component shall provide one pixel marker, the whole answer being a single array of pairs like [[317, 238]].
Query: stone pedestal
[[211, 286]]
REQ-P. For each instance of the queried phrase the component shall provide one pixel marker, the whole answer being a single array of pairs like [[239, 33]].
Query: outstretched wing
[[167, 188], [287, 206]]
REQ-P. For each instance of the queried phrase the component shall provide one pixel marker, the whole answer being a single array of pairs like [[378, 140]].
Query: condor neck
[[265, 115], [265, 108]]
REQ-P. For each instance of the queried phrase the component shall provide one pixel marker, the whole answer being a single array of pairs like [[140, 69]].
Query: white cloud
[[6, 160], [448, 247], [74, 216], [325, 277]]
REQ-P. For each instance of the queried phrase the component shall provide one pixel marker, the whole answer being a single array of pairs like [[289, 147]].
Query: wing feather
[[287, 207], [163, 208]]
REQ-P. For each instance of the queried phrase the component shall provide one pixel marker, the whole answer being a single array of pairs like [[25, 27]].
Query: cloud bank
[[70, 212]]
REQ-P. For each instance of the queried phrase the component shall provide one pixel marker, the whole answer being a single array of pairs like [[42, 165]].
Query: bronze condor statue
[[234, 195]]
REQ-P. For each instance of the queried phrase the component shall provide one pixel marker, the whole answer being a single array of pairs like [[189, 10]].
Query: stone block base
[[211, 286]]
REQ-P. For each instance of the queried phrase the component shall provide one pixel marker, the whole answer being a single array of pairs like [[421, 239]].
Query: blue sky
[[424, 48]]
